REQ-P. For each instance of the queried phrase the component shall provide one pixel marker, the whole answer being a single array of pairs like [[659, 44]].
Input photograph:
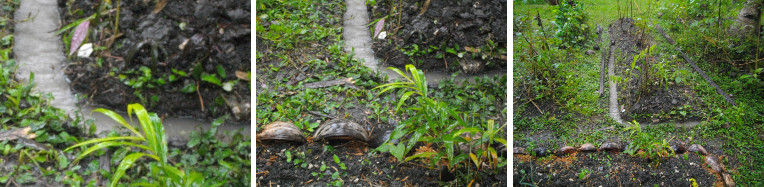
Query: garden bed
[[467, 36], [180, 59]]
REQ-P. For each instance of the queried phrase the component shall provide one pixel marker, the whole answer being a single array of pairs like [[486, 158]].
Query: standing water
[[39, 51]]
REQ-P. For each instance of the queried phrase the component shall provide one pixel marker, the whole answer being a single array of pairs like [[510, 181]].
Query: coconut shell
[[341, 129], [714, 163], [519, 150], [678, 147], [566, 150], [587, 147], [542, 152], [728, 182], [611, 146], [281, 131], [698, 149]]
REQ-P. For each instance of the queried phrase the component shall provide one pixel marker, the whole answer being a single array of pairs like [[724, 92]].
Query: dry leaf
[[241, 75], [159, 6]]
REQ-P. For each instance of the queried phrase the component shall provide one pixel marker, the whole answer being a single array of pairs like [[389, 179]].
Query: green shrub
[[571, 26]]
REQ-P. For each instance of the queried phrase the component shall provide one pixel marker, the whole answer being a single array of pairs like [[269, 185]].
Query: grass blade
[[96, 140], [126, 163], [116, 117], [108, 144]]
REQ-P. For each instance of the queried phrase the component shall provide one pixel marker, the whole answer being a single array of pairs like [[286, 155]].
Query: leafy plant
[[414, 53], [653, 147], [436, 123], [151, 140], [570, 22]]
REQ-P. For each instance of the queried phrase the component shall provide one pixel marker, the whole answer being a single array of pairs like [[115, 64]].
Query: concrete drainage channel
[[39, 51]]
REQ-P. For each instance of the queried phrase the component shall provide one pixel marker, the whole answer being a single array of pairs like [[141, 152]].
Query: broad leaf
[[80, 33], [378, 27]]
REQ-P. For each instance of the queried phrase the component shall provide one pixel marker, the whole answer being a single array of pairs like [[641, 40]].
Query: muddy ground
[[611, 169], [464, 26], [362, 170], [199, 38]]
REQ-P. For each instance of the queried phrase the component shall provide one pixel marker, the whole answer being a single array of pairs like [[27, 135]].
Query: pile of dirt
[[187, 40], [464, 26]]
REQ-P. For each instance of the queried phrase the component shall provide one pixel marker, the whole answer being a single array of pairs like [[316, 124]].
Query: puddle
[[358, 39], [40, 51]]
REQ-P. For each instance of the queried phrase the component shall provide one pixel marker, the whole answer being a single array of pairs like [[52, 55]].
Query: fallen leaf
[[471, 49], [79, 36], [159, 6], [378, 27], [241, 75]]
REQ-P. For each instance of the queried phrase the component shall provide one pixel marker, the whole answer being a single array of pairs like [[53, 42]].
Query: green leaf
[[188, 88], [111, 144], [126, 163], [116, 117], [419, 155], [336, 159], [97, 140], [211, 78], [397, 151], [288, 155], [464, 130], [221, 71]]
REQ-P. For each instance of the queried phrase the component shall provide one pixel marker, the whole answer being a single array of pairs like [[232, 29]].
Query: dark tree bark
[[747, 22]]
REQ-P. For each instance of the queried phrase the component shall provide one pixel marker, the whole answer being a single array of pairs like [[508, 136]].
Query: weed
[[653, 148], [430, 121], [153, 141]]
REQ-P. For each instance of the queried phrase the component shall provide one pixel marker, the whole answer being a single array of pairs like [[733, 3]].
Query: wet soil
[[459, 25], [362, 170], [216, 41], [611, 169]]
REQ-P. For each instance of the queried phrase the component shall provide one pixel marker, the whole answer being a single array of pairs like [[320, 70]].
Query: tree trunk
[[747, 22]]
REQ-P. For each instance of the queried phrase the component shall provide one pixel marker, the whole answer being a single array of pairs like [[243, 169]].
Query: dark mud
[[362, 169], [215, 40], [460, 25], [611, 169]]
